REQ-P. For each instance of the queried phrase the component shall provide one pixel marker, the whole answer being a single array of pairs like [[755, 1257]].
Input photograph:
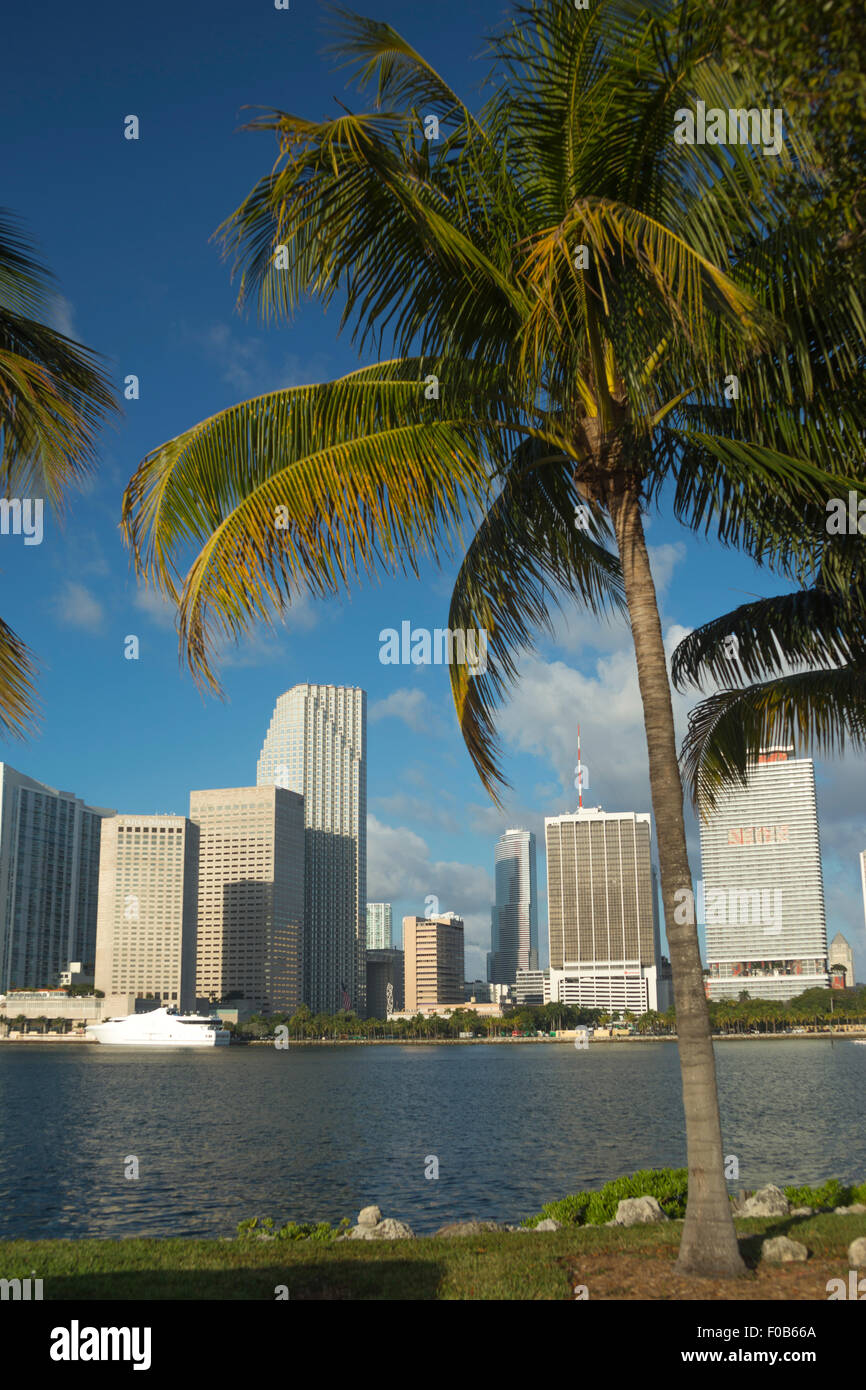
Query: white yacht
[[160, 1028]]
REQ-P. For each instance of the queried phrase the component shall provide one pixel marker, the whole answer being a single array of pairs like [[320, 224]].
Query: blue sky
[[125, 226]]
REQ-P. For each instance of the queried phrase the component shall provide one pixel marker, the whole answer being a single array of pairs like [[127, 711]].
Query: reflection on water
[[317, 1133]]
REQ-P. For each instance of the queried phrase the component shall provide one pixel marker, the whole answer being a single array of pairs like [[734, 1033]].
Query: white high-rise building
[[317, 745], [602, 910], [378, 926], [863, 876], [146, 931], [514, 916], [49, 881], [763, 888]]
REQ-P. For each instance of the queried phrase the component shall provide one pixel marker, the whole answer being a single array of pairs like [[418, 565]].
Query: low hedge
[[670, 1187]]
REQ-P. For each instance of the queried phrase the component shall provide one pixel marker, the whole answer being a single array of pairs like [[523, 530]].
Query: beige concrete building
[[445, 1010], [250, 895], [74, 1009], [433, 960], [842, 960], [146, 916]]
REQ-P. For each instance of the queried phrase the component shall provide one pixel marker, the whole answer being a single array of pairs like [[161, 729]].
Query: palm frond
[[54, 395], [526, 558], [307, 489], [18, 709], [822, 710]]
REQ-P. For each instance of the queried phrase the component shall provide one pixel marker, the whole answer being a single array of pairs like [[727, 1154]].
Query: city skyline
[[74, 601], [544, 934]]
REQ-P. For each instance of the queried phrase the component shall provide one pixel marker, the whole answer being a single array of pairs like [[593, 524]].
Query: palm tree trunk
[[709, 1241]]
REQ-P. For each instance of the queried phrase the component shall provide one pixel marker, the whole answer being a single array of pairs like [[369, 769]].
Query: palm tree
[[579, 286], [798, 677], [53, 398]]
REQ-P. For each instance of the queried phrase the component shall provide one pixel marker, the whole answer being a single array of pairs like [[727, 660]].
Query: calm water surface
[[316, 1133]]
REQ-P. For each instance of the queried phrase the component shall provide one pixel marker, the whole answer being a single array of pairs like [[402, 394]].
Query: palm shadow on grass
[[337, 1280]]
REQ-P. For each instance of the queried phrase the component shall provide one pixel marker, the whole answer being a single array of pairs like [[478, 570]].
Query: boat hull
[[160, 1028], [218, 1040]]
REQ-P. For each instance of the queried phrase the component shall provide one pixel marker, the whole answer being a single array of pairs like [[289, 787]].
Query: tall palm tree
[[53, 398], [570, 295]]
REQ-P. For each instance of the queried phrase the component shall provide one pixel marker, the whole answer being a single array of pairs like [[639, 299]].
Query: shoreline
[[835, 1036]]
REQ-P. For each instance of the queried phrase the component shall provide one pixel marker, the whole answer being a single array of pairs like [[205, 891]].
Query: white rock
[[549, 1225], [857, 1209], [781, 1250], [389, 1229], [638, 1211], [802, 1211], [770, 1201], [369, 1216], [857, 1253]]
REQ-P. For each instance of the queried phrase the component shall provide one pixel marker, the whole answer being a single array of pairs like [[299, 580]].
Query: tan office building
[[433, 960], [841, 963], [602, 910], [250, 895], [146, 914]]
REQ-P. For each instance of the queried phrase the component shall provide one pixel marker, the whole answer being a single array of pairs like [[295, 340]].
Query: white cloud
[[61, 317], [259, 648], [247, 362], [413, 707], [423, 810], [77, 607], [155, 607]]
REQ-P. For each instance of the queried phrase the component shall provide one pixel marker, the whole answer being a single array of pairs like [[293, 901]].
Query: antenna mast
[[579, 774]]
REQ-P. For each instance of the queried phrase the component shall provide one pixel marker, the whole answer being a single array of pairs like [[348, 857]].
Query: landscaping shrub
[[293, 1230], [668, 1185], [830, 1194]]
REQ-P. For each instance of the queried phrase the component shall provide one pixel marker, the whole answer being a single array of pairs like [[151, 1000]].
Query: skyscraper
[[602, 910], [841, 959], [385, 983], [762, 883], [49, 880], [514, 916], [433, 960], [250, 895], [146, 925], [378, 926], [316, 745]]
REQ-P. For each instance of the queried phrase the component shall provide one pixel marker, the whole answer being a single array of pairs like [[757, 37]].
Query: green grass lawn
[[491, 1266]]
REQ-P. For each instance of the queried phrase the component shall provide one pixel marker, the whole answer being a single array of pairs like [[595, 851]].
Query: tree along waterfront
[[816, 1010]]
